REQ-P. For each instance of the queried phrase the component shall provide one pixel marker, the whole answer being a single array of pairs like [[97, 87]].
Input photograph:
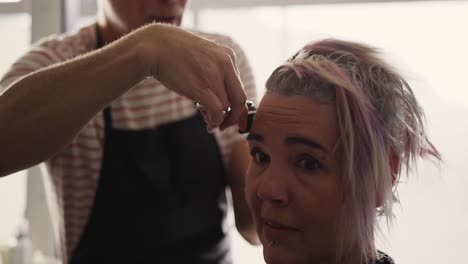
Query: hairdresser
[[138, 176]]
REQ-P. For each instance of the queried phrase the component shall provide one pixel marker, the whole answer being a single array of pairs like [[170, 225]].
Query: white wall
[[12, 203]]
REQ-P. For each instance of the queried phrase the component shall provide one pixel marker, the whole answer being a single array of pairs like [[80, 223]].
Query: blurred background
[[426, 40]]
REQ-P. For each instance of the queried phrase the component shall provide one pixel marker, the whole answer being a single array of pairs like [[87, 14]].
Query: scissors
[[250, 114]]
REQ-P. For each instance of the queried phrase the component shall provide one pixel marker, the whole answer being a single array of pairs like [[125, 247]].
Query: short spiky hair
[[378, 120]]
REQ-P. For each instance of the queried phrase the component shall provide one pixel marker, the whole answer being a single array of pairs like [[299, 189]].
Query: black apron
[[160, 198]]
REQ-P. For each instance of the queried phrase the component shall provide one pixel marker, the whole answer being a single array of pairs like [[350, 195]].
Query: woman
[[330, 138]]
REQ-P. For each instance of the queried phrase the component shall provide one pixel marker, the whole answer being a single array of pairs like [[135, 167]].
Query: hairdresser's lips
[[173, 20]]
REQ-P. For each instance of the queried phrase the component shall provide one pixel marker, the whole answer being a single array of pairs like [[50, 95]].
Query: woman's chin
[[275, 254]]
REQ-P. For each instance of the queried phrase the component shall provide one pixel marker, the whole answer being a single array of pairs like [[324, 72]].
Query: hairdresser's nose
[[173, 1]]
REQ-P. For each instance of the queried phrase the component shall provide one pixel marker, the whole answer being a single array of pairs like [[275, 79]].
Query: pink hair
[[378, 119]]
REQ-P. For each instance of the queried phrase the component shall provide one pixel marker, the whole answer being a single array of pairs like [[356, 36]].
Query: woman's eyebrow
[[294, 140]]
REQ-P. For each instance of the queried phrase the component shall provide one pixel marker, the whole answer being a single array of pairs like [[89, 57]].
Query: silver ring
[[227, 112], [250, 106], [201, 107]]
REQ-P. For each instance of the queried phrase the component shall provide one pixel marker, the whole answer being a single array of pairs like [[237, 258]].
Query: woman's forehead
[[279, 110], [280, 115]]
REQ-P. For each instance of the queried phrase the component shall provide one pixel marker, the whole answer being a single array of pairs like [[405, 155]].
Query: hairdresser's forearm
[[42, 112]]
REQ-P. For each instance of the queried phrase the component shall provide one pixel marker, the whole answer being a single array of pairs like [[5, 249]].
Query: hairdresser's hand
[[199, 69]]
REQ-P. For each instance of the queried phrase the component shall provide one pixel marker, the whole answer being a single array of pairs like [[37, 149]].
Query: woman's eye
[[308, 163], [259, 156]]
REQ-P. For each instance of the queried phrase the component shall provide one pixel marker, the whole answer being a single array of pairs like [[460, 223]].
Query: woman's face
[[126, 15], [293, 183]]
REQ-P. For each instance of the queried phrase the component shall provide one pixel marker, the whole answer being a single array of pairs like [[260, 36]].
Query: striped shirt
[[75, 171]]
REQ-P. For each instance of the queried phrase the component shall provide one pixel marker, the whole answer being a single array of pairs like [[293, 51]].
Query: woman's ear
[[394, 170]]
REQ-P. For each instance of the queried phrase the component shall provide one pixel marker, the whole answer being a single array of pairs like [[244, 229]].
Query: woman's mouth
[[275, 231], [274, 225]]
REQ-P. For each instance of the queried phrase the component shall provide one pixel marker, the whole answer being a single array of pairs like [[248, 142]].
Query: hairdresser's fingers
[[217, 85], [212, 110], [199, 69], [243, 121], [235, 92]]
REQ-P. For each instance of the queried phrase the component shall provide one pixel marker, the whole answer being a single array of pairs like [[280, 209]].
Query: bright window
[[427, 41], [15, 29]]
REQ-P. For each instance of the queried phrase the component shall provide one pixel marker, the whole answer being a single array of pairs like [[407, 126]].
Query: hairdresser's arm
[[239, 162], [41, 112]]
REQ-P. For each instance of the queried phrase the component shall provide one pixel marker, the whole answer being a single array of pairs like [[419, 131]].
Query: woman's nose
[[273, 188]]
